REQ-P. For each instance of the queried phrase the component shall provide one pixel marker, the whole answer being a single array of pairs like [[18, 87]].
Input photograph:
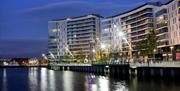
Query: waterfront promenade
[[150, 64], [151, 70]]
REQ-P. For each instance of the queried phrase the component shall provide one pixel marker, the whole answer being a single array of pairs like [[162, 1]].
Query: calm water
[[42, 79]]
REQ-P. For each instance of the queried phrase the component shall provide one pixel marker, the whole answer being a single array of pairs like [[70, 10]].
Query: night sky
[[24, 23]]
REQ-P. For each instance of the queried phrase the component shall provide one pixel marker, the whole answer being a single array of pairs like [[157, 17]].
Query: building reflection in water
[[68, 81], [42, 79], [4, 84], [33, 81], [52, 80], [44, 85], [102, 83]]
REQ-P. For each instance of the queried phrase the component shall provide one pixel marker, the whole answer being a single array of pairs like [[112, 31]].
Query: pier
[[141, 70]]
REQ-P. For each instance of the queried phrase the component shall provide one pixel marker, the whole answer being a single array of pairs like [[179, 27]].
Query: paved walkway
[[157, 64]]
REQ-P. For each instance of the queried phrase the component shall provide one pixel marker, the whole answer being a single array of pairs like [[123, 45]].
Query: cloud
[[71, 8]]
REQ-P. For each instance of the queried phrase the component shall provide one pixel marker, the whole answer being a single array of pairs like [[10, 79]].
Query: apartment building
[[57, 39], [84, 34], [106, 35], [74, 36], [138, 22], [174, 27]]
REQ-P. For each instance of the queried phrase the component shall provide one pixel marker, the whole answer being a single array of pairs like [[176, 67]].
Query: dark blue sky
[[24, 23]]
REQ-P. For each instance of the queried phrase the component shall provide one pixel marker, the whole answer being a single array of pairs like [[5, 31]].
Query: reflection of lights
[[67, 79], [44, 79], [104, 84], [4, 85], [32, 75], [121, 86], [94, 87], [52, 80]]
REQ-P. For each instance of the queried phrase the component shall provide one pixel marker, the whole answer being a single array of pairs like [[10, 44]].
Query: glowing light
[[93, 50], [105, 29], [171, 47], [103, 46], [121, 34], [55, 30], [115, 26], [74, 36], [154, 50], [44, 56], [161, 17], [68, 19], [103, 84]]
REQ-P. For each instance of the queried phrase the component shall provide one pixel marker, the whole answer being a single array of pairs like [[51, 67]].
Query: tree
[[147, 46]]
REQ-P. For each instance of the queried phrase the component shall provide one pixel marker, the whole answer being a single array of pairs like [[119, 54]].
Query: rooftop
[[97, 15]]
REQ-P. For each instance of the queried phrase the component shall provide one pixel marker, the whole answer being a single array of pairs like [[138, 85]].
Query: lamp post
[[92, 50], [122, 36], [172, 52], [154, 55]]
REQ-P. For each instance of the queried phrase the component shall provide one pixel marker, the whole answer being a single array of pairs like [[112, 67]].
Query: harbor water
[[43, 79]]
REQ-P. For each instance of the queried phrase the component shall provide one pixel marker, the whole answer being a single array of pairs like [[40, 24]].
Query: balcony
[[80, 29], [81, 25], [81, 21], [163, 43], [137, 14], [141, 22], [80, 32], [161, 25], [79, 47], [79, 43], [142, 27], [80, 36], [81, 39], [139, 18], [162, 30]]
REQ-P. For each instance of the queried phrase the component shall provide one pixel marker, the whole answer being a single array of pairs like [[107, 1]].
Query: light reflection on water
[[4, 84], [42, 79]]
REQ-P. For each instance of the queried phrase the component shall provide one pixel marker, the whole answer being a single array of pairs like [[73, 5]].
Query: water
[[42, 79]]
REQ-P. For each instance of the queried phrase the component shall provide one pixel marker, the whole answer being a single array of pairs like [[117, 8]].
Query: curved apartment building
[[84, 34], [73, 36], [138, 22]]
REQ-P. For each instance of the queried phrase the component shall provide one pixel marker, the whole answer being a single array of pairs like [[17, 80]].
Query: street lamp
[[172, 51], [122, 35], [93, 50], [154, 54], [103, 46]]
